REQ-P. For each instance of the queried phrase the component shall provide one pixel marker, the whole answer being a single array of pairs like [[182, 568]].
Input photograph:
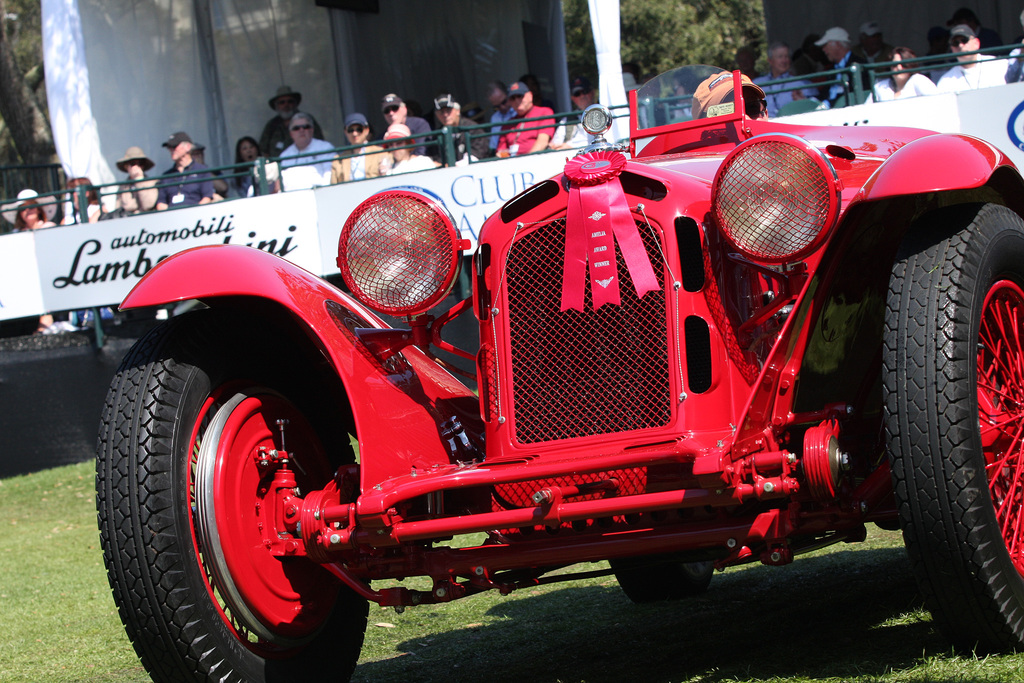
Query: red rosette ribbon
[[597, 216]]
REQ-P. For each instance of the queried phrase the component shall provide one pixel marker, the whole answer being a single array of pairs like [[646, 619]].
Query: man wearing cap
[[986, 37], [448, 113], [196, 187], [276, 137], [835, 43], [715, 97], [972, 71], [370, 161], [570, 134], [872, 47], [526, 136], [139, 193], [395, 110]]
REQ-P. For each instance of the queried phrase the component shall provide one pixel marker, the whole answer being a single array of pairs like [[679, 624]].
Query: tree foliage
[[25, 131], [660, 34]]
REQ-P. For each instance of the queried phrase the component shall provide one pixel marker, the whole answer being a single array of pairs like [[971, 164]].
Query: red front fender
[[934, 163], [397, 414]]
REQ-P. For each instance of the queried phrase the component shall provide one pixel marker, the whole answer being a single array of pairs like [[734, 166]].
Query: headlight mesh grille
[[397, 253], [773, 200]]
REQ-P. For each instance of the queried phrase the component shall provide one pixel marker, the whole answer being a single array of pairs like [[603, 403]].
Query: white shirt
[[985, 74], [358, 165], [414, 163], [917, 84], [307, 172], [579, 137]]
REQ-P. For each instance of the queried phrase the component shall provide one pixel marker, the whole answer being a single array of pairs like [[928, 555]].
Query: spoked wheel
[[207, 582], [657, 578], [1001, 409], [953, 376]]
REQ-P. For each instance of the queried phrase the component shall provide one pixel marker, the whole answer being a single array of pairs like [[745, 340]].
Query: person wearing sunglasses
[[972, 71], [299, 170], [526, 136], [276, 136], [497, 95], [139, 193], [369, 161], [395, 111]]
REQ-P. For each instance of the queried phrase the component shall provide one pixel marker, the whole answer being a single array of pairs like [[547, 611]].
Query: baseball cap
[[962, 30], [176, 139], [356, 117], [397, 130], [579, 84], [445, 101], [518, 88], [870, 28], [389, 100], [835, 33], [715, 90]]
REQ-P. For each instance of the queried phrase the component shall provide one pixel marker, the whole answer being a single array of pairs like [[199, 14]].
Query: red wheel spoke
[[1000, 382]]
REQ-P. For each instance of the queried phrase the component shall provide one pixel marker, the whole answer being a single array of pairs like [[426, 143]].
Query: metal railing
[[859, 80], [441, 142]]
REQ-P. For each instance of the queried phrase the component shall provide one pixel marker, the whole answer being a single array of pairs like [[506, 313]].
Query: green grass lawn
[[847, 613]]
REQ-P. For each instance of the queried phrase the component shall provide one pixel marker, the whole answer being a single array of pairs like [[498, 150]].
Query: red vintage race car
[[729, 341]]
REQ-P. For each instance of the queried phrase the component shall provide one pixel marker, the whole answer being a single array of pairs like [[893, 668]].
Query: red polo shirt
[[518, 141]]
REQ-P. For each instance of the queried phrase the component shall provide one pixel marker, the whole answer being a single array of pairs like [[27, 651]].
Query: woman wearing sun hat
[[140, 193], [29, 212]]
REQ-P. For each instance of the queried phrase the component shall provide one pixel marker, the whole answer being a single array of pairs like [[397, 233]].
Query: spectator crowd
[[794, 81], [292, 151]]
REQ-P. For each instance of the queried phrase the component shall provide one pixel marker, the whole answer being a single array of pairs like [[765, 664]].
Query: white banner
[[20, 295], [97, 264]]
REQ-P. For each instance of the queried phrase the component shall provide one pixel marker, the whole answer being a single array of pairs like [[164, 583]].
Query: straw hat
[[28, 196], [285, 91], [133, 153]]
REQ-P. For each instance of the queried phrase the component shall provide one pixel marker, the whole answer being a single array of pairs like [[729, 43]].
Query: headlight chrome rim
[[776, 212]]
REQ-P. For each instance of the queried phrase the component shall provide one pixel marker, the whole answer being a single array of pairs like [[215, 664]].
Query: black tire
[[954, 289], [660, 577], [169, 596]]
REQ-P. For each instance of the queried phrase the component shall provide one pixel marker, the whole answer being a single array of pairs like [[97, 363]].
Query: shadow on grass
[[844, 614]]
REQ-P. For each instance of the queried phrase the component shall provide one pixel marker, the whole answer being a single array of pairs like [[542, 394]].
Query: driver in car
[[714, 97]]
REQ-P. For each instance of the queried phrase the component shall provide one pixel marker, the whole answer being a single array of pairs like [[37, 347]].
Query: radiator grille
[[575, 373]]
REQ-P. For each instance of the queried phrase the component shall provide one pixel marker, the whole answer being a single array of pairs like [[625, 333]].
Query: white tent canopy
[[131, 72]]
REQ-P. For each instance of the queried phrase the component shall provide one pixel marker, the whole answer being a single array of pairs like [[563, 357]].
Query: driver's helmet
[[714, 96]]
